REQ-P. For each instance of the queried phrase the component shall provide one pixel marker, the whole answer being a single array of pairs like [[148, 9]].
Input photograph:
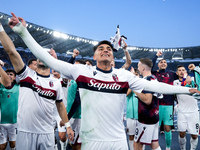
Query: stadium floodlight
[[38, 29], [77, 39], [1, 16], [26, 24], [64, 36], [177, 58], [30, 26], [47, 31], [94, 42], [56, 34], [8, 19]]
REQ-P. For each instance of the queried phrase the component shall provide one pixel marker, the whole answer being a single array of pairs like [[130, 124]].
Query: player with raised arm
[[102, 91], [188, 115], [9, 90], [166, 103], [37, 96]]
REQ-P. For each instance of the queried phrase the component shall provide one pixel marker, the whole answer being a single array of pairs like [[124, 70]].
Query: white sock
[[193, 143], [63, 145], [157, 148], [182, 143], [131, 144]]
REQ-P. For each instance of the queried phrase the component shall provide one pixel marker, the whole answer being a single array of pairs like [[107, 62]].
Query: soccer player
[[131, 112], [102, 91], [9, 90], [37, 96], [188, 115], [148, 111], [167, 102]]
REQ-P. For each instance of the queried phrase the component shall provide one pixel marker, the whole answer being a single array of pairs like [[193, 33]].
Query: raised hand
[[191, 66], [15, 20], [159, 53], [75, 53]]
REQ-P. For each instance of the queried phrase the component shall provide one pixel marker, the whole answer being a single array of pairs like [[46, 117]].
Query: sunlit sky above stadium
[[148, 23]]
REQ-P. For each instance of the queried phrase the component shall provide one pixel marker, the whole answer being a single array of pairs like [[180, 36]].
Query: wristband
[[67, 124], [1, 28]]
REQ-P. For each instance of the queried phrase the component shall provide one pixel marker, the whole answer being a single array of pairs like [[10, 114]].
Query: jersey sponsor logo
[[43, 92], [99, 85], [102, 86]]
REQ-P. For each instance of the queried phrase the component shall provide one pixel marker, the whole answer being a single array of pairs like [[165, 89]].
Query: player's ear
[[94, 57]]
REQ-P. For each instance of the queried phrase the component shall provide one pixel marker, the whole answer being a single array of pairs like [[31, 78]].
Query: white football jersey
[[186, 103], [37, 96], [103, 95]]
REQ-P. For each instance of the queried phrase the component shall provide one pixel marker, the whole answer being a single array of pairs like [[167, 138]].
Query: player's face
[[103, 53], [11, 76], [162, 65], [180, 72], [33, 65]]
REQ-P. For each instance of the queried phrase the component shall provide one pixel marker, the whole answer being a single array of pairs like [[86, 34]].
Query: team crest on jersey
[[8, 96], [51, 83], [115, 78]]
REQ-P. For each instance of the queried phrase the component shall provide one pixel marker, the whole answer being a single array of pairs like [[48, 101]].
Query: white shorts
[[56, 124], [189, 122], [7, 131], [146, 133], [75, 125], [32, 141], [106, 145], [131, 126]]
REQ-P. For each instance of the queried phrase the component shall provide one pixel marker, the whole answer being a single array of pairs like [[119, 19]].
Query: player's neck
[[146, 73], [104, 66]]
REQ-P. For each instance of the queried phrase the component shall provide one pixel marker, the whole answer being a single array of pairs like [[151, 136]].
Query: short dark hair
[[89, 61], [103, 42], [31, 60], [81, 61], [179, 66], [147, 62], [161, 59], [10, 70]]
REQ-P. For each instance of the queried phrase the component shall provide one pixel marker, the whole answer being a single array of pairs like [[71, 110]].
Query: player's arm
[[63, 115], [4, 79], [145, 97], [164, 88], [55, 64], [128, 57], [158, 54], [9, 47]]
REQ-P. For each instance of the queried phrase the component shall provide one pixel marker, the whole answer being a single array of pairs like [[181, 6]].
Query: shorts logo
[[51, 83]]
